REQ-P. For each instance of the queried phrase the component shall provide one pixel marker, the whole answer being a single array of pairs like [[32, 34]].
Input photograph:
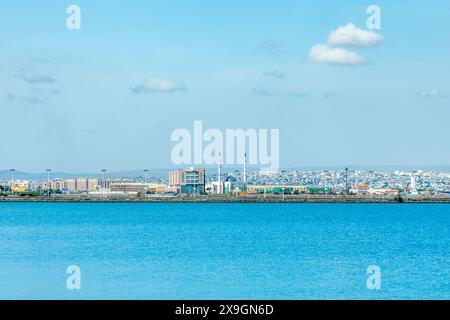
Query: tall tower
[[245, 167], [219, 174]]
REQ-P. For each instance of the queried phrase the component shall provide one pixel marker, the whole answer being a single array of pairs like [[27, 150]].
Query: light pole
[[12, 180], [346, 180], [145, 175], [145, 182], [103, 179], [195, 189], [104, 182], [48, 181]]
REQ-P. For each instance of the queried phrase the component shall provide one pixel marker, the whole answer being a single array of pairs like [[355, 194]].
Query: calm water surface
[[228, 251]]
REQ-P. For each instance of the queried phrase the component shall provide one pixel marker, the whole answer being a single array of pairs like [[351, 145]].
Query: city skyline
[[110, 94], [198, 180], [227, 169]]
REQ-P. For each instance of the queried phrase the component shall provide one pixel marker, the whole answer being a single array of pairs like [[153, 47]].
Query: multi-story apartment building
[[190, 180]]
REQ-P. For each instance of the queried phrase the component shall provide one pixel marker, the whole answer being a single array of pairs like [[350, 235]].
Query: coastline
[[239, 199]]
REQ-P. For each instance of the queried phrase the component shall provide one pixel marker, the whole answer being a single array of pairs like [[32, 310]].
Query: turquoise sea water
[[224, 251]]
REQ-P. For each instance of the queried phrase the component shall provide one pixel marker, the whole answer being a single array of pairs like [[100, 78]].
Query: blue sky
[[76, 100]]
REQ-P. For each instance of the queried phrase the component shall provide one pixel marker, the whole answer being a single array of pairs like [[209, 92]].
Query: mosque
[[231, 183]]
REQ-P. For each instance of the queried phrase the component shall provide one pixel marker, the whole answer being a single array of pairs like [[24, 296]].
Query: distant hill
[[443, 168], [6, 175], [155, 173]]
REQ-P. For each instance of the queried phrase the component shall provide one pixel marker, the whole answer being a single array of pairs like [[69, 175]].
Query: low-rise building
[[360, 188], [276, 189], [136, 187], [20, 186]]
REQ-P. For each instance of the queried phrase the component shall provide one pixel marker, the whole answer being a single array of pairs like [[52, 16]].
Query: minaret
[[412, 185], [245, 167], [219, 174]]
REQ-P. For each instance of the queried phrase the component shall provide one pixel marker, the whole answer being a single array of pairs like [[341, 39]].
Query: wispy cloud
[[33, 100], [329, 95], [350, 35], [32, 76], [10, 96], [277, 74], [297, 94], [263, 92], [35, 97], [323, 53], [41, 60], [272, 47], [161, 86], [430, 94]]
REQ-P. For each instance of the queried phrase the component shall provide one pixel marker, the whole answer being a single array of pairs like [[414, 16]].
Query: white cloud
[[157, 85], [429, 94], [322, 53], [350, 35]]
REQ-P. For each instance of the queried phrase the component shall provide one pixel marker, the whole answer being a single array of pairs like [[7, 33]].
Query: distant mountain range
[[6, 174]]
